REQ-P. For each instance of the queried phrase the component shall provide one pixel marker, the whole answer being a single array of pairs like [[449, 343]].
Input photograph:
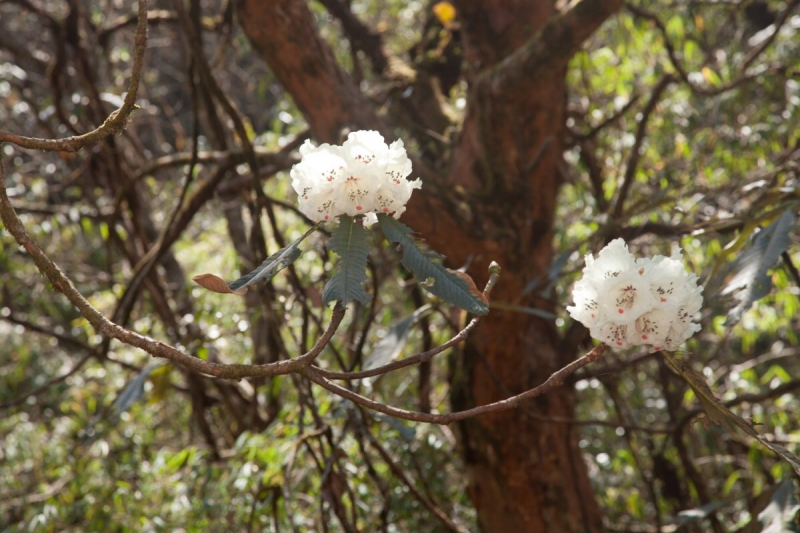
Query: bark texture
[[524, 474]]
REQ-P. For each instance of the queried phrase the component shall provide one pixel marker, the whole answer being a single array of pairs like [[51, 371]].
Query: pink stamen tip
[[619, 343], [359, 207], [620, 311], [657, 348], [644, 337], [663, 299], [326, 217], [593, 316]]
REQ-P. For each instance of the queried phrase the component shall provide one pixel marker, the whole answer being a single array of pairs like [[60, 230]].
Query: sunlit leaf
[[719, 414], [698, 514], [445, 12], [783, 511], [748, 273]]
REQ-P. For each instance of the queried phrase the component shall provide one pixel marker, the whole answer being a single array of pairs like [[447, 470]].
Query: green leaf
[[435, 278], [748, 273], [781, 515], [691, 516], [263, 273], [349, 241], [675, 27], [133, 391], [718, 413], [389, 347]]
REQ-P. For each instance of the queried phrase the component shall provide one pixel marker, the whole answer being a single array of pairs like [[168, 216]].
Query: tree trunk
[[524, 474]]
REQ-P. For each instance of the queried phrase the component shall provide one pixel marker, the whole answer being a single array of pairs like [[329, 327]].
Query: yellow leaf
[[710, 76], [698, 22], [445, 12]]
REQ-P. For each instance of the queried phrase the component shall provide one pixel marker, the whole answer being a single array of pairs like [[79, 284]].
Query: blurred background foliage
[[147, 447]]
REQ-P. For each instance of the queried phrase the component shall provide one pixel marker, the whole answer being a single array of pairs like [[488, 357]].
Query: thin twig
[[115, 122], [555, 380], [641, 132], [421, 357], [103, 325]]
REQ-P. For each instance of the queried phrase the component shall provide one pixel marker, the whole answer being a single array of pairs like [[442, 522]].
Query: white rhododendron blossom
[[631, 302], [364, 176]]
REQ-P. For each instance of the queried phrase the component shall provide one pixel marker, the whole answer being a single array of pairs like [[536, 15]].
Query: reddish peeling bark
[[524, 474], [284, 33]]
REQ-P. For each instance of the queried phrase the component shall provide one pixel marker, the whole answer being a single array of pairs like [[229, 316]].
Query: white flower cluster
[[364, 176], [629, 302]]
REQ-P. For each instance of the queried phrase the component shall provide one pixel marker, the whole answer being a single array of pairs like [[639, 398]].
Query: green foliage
[[712, 169], [721, 415], [349, 241], [390, 346], [748, 273], [433, 276], [782, 515]]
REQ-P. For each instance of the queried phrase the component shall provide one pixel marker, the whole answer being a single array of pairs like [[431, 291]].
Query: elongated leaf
[[436, 279], [718, 413], [781, 513], [133, 391], [690, 516], [349, 241], [749, 271], [263, 273], [389, 347]]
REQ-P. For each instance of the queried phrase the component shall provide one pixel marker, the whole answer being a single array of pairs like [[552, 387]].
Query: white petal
[[626, 297], [615, 335], [586, 309]]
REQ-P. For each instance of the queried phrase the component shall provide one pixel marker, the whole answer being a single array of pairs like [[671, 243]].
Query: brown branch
[[116, 121], [684, 76], [552, 46], [400, 474], [759, 49], [641, 132], [103, 325], [153, 17], [364, 39], [607, 122], [285, 34], [422, 356], [555, 380]]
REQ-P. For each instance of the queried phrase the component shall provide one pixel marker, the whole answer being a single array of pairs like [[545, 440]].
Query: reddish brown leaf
[[471, 284], [215, 284]]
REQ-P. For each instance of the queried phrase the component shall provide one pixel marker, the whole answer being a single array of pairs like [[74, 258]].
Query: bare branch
[[641, 131], [552, 46], [103, 325], [420, 357], [555, 380], [684, 76], [115, 122]]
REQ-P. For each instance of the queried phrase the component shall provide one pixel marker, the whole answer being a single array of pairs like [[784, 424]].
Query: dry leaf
[[471, 284], [215, 284]]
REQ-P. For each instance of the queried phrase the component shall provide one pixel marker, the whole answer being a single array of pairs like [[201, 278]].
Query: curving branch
[[636, 149], [552, 46], [555, 380], [115, 122], [494, 276], [742, 67], [103, 325]]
